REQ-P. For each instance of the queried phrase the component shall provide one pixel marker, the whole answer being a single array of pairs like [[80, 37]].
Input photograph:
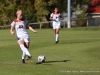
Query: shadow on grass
[[75, 42], [49, 62], [57, 61]]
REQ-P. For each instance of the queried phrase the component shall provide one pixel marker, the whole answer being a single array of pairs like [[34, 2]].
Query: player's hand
[[35, 31], [12, 33], [54, 19]]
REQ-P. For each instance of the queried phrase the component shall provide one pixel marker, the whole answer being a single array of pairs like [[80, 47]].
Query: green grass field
[[77, 53]]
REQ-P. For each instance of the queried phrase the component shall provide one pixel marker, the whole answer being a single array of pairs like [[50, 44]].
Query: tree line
[[34, 10]]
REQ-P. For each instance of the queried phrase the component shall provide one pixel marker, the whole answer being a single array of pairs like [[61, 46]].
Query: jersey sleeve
[[13, 23], [51, 15]]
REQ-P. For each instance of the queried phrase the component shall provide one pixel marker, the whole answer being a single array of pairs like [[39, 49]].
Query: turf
[[77, 53]]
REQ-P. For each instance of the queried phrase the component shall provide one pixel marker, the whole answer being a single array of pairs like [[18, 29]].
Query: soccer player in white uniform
[[56, 17], [20, 24]]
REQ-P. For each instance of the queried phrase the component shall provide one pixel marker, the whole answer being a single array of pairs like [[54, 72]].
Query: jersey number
[[20, 26]]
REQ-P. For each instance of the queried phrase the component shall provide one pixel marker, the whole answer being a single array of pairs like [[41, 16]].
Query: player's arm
[[51, 17], [61, 17], [12, 30], [30, 28]]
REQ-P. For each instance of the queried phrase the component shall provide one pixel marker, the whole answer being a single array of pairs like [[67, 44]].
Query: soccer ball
[[41, 58]]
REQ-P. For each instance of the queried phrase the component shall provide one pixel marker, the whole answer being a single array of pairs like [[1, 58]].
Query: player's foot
[[23, 61], [29, 57], [56, 42]]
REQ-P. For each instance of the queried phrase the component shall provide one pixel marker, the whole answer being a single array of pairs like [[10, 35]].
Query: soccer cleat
[[29, 57], [56, 42], [23, 61]]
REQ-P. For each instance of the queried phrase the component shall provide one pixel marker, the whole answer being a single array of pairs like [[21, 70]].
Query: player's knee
[[21, 45], [26, 45]]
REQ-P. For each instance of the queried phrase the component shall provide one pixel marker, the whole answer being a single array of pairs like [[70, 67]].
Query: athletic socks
[[57, 36], [25, 51], [23, 55]]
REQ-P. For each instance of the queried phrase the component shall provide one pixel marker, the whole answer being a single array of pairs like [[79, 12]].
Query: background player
[[56, 17], [20, 24]]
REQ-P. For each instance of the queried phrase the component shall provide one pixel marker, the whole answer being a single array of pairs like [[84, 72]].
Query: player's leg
[[23, 57], [24, 50], [57, 35], [20, 43], [27, 43], [27, 46], [56, 27], [57, 32]]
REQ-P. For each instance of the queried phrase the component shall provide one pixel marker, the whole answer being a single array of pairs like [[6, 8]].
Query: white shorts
[[25, 39], [56, 25]]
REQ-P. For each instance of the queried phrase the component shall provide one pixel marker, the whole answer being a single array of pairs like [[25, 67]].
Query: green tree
[[41, 9], [80, 2], [28, 7], [6, 11], [34, 10]]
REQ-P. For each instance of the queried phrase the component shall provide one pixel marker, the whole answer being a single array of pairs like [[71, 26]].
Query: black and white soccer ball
[[41, 58]]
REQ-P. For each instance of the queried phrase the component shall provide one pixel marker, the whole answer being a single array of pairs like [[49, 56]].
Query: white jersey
[[56, 22], [56, 16], [20, 27]]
